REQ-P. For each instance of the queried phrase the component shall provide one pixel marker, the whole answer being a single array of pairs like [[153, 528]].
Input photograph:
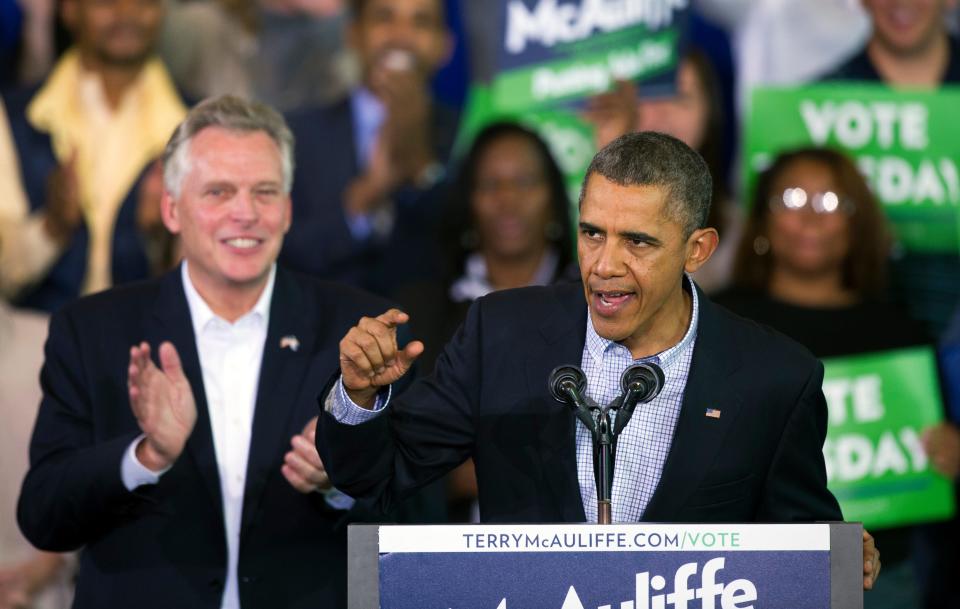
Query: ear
[[170, 212], [700, 246], [448, 45]]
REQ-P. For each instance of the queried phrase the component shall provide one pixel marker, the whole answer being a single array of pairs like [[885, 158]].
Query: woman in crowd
[[812, 264], [507, 226]]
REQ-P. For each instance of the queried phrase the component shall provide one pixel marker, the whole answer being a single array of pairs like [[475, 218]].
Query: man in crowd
[[196, 483], [367, 166], [84, 145], [756, 455]]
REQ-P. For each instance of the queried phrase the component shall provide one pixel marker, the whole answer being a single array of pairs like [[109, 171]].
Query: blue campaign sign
[[641, 566], [592, 580]]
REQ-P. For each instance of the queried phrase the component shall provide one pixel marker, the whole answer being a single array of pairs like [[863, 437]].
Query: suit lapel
[[562, 333], [282, 374], [175, 325], [698, 438]]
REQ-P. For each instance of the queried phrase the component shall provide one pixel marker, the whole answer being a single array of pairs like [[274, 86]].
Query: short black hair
[[656, 159]]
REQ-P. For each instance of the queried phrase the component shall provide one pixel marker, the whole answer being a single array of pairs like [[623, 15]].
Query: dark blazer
[[164, 546], [64, 280], [319, 241], [488, 398]]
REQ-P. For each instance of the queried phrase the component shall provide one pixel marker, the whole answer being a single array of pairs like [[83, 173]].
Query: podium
[[622, 566]]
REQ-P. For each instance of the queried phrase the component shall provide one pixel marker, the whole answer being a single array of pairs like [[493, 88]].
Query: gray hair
[[234, 114], [656, 159]]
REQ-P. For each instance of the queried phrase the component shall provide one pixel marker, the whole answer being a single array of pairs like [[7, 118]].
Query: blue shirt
[[644, 443]]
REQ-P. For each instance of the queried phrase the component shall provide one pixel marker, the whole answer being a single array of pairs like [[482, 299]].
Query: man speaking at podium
[[735, 435]]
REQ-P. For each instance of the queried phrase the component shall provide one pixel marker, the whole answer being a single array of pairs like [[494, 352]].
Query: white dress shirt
[[230, 357]]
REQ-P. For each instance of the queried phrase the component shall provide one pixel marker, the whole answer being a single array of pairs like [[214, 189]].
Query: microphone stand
[[597, 419], [567, 384]]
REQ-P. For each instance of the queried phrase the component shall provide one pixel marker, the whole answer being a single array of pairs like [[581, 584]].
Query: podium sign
[[636, 566]]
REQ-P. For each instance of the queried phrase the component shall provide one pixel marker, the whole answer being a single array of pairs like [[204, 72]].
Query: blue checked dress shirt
[[644, 443]]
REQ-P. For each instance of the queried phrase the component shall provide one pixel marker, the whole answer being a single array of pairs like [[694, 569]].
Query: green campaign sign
[[879, 405], [907, 144], [534, 60]]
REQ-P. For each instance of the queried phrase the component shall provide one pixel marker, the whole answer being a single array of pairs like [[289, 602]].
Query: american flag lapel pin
[[713, 413], [290, 342]]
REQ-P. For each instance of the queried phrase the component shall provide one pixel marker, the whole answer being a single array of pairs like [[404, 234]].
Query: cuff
[[345, 411], [337, 500], [361, 227], [133, 473]]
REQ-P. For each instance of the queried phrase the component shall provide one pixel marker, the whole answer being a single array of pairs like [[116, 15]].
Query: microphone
[[640, 383], [567, 384], [645, 380], [565, 380]]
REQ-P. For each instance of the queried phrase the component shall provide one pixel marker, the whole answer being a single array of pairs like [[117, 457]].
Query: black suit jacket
[[164, 546], [488, 398]]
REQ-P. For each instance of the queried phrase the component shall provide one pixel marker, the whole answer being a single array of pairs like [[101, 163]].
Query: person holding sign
[[735, 435], [911, 48], [694, 115], [812, 265]]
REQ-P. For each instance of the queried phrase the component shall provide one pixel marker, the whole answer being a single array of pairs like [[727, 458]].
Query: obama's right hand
[[370, 358]]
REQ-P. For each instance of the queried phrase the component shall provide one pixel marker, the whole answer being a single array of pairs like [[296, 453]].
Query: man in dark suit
[[196, 483], [367, 166], [735, 435]]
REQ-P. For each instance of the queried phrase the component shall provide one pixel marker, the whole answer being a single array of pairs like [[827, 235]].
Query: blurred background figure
[[778, 42], [83, 146], [287, 53], [26, 40], [911, 47], [367, 165], [507, 225], [812, 264], [29, 579], [694, 115]]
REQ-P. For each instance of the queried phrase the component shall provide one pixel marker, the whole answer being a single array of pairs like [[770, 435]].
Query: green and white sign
[[906, 143], [879, 406], [534, 60]]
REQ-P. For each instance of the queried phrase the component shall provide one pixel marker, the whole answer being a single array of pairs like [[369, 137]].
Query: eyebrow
[[628, 235]]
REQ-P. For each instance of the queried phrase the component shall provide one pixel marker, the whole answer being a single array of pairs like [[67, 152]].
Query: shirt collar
[[475, 283], [201, 314], [598, 346]]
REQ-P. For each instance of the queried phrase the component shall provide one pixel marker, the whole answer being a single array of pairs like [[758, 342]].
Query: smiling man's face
[[232, 211]]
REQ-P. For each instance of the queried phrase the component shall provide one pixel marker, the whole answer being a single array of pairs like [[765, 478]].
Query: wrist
[[364, 398], [151, 458], [364, 195], [430, 174]]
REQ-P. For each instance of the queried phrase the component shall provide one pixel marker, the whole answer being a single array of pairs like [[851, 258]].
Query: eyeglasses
[[828, 202]]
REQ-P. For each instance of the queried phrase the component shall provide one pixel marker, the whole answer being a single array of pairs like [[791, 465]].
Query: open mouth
[[611, 302]]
